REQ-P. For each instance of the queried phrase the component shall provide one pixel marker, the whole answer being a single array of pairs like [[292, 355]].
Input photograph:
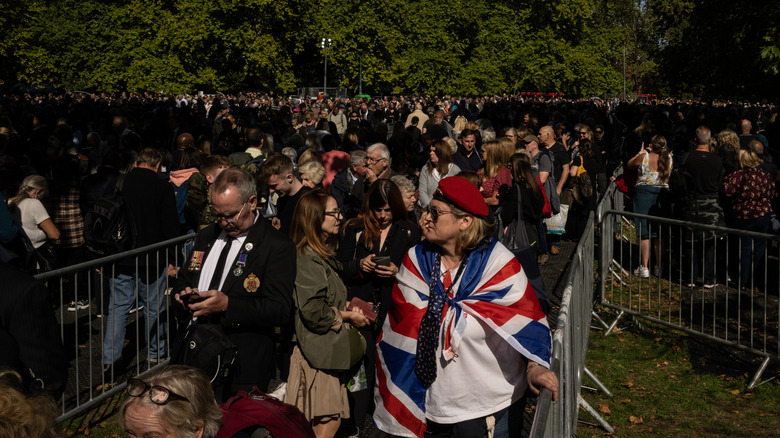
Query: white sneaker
[[642, 272], [279, 392]]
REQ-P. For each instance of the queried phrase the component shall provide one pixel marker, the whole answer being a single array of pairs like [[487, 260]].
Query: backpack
[[108, 226], [250, 411], [582, 184], [678, 179], [550, 186]]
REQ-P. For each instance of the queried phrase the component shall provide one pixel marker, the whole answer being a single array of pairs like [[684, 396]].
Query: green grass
[[100, 422], [667, 383]]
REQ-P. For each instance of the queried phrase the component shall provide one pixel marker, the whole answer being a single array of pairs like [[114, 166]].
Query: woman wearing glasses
[[317, 380], [371, 251], [464, 336], [173, 402]]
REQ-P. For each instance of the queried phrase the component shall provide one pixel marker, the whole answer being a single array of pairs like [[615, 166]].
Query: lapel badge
[[251, 283], [249, 246]]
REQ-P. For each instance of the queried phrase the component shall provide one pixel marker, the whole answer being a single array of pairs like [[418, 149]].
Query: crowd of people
[[305, 207]]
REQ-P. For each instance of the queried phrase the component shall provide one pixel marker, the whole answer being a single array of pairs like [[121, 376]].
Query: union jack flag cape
[[492, 288]]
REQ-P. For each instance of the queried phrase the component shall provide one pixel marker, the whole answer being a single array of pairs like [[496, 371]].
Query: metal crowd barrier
[[83, 330], [570, 344], [700, 288]]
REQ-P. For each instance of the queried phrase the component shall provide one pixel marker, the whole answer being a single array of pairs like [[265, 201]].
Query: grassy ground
[[100, 422], [666, 383]]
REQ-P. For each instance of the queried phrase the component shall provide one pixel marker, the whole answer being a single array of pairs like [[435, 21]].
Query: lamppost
[[325, 44], [360, 87]]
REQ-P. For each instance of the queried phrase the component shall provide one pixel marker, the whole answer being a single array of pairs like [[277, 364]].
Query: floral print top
[[750, 191], [649, 177]]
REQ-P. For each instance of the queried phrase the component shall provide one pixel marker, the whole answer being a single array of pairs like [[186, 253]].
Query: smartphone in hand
[[381, 260]]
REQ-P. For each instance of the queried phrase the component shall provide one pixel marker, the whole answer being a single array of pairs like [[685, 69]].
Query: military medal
[[196, 260], [251, 283], [240, 265], [249, 246]]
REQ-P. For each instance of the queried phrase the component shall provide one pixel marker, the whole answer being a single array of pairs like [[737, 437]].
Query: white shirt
[[211, 260]]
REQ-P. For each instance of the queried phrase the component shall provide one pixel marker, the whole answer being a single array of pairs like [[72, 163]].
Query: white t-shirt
[[30, 214]]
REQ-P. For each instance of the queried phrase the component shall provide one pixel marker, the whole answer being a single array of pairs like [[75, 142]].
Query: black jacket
[[251, 314], [368, 287], [29, 334]]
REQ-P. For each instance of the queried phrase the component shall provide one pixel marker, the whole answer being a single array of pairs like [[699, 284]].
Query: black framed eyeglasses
[[599, 131], [435, 212], [335, 213], [583, 132], [228, 219], [159, 395]]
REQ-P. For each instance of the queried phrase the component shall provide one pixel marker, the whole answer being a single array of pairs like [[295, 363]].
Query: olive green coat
[[320, 333]]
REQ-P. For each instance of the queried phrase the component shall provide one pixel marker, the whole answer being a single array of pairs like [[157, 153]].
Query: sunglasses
[[159, 395], [599, 131], [435, 212]]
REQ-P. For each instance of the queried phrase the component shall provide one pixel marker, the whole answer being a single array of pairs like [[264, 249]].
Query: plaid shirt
[[66, 215]]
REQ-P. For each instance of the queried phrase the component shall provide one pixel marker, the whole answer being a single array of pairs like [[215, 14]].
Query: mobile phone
[[381, 260], [185, 298]]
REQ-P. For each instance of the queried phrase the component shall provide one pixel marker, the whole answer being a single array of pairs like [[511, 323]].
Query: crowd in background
[[379, 165]]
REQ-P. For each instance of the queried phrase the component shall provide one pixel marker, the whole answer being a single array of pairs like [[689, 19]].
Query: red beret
[[463, 194]]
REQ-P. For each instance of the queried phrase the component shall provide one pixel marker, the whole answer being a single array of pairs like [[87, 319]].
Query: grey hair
[[703, 135], [383, 150], [29, 185], [243, 181], [314, 170], [403, 183], [181, 415], [357, 157], [290, 153]]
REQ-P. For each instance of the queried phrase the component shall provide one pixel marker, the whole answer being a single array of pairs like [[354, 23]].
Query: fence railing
[[570, 343], [84, 330], [713, 282]]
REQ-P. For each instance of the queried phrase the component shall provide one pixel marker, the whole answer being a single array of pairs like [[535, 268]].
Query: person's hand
[[539, 377], [185, 295], [386, 271], [355, 317], [370, 176], [210, 302], [276, 223], [173, 270], [367, 264], [564, 138]]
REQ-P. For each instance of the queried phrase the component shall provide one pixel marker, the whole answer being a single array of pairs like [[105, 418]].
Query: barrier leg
[[581, 401], [753, 382], [614, 323], [600, 321], [597, 382]]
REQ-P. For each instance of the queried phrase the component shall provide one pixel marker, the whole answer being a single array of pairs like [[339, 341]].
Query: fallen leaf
[[604, 409], [735, 391], [636, 420], [626, 400], [629, 384], [659, 339]]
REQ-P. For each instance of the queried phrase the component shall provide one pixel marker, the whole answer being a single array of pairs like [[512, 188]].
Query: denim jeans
[[751, 250], [123, 298]]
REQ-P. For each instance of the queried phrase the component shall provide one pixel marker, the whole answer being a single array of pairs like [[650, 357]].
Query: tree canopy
[[680, 48]]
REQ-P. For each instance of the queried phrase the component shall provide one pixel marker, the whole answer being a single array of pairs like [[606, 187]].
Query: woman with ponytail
[[654, 165]]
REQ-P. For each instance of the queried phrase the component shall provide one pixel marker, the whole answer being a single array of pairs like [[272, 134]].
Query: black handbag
[[208, 348]]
